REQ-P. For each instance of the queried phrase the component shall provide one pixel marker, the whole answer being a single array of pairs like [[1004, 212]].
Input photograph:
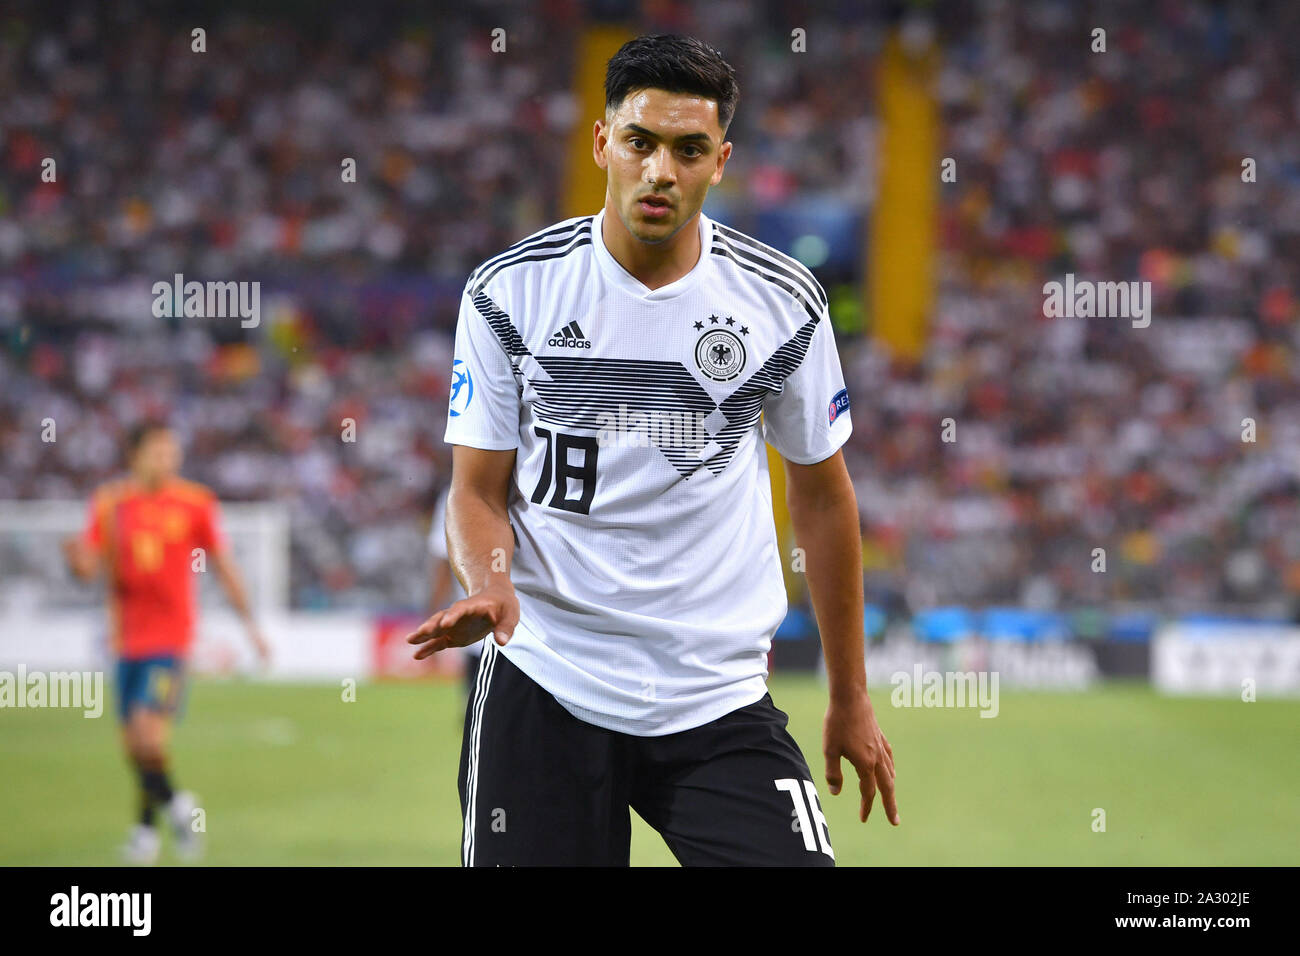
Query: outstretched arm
[[233, 585], [824, 511], [481, 544]]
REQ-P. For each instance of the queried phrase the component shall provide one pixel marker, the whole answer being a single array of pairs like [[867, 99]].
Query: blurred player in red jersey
[[142, 531]]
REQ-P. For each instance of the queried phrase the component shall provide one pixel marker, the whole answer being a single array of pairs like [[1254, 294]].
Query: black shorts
[[539, 787]]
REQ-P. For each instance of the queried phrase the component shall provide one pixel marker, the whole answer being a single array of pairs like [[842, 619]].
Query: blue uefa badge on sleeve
[[462, 388], [840, 403]]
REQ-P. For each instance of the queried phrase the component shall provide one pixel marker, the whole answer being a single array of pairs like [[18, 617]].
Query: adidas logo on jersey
[[570, 337]]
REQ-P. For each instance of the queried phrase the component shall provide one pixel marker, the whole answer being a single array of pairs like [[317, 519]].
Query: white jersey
[[646, 560]]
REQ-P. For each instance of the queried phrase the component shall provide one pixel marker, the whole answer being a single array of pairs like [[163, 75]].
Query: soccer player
[[141, 533], [611, 517]]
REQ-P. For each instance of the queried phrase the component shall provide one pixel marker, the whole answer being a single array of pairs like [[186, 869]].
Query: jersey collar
[[625, 280]]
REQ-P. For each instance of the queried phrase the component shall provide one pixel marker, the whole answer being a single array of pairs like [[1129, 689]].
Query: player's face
[[664, 147], [159, 455]]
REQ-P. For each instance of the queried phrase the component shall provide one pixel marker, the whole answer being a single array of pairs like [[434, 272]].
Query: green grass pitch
[[292, 775]]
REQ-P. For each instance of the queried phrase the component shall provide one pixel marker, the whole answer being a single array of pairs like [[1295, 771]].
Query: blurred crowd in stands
[[1070, 434]]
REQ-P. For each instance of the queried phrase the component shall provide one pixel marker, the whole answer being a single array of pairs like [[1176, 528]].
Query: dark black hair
[[141, 430], [676, 64]]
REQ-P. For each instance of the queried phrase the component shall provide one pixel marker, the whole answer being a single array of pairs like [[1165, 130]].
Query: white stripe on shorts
[[490, 652]]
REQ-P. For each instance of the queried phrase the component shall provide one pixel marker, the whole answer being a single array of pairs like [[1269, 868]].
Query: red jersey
[[147, 541]]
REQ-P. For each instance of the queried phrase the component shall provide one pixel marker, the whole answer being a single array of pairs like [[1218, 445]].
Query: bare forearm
[[234, 588], [826, 529], [479, 540]]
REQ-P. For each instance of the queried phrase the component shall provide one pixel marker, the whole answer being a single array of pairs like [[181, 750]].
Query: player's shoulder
[[544, 249], [749, 260], [194, 492], [108, 493]]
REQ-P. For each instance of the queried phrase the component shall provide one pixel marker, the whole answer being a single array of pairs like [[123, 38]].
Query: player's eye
[[698, 152]]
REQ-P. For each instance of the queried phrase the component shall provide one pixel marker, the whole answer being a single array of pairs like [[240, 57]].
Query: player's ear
[[599, 141], [724, 153]]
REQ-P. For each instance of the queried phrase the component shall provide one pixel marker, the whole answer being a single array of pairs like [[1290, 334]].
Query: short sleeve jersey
[[646, 559], [150, 541]]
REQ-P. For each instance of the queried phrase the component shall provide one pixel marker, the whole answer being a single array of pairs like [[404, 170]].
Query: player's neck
[[149, 484], [654, 265]]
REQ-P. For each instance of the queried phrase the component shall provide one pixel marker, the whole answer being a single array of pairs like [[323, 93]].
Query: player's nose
[[659, 168]]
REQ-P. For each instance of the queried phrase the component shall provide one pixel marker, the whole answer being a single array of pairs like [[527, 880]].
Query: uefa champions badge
[[462, 388], [719, 353], [839, 403]]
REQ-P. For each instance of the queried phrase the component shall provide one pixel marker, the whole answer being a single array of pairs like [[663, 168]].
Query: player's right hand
[[80, 561], [495, 609]]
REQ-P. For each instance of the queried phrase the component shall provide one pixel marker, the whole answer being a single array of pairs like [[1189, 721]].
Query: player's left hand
[[260, 645], [851, 732], [81, 561]]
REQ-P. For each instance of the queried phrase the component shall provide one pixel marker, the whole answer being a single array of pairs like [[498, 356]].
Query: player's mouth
[[655, 207]]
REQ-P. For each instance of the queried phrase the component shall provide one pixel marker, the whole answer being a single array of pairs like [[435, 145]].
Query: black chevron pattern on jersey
[[502, 327], [780, 365], [577, 391], [590, 384], [580, 391], [741, 408]]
